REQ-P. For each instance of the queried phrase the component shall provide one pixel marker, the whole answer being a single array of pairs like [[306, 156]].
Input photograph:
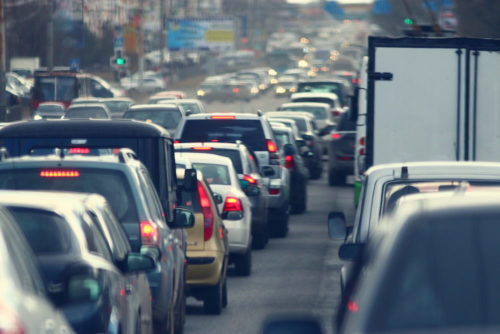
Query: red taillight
[[223, 117], [202, 148], [271, 146], [79, 150], [362, 151], [274, 191], [352, 306], [10, 322], [236, 90], [149, 233], [335, 113], [344, 158], [289, 163], [232, 204], [362, 141], [336, 135], [250, 179], [206, 209], [59, 173], [176, 141]]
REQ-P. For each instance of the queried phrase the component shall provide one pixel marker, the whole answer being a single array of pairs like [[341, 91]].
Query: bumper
[[239, 232], [204, 268]]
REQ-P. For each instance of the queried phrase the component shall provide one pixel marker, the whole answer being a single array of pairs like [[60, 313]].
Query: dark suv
[[125, 183]]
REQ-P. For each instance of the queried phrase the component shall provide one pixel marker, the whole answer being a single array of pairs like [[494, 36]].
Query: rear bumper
[[239, 232], [204, 268]]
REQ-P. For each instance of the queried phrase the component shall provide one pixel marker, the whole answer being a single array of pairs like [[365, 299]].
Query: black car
[[294, 162], [341, 146]]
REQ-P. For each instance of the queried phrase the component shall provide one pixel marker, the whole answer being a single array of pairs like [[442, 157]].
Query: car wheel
[[279, 227], [243, 263], [213, 299], [180, 315], [260, 239], [316, 172], [224, 294], [165, 326], [336, 178], [301, 205]]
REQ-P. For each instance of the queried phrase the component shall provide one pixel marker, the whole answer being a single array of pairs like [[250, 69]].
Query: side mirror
[[184, 218], [252, 190], [336, 226], [190, 181], [289, 149], [218, 198], [151, 251], [267, 171], [350, 252], [83, 288], [136, 262], [300, 324]]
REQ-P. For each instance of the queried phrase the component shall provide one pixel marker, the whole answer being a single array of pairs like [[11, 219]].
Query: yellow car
[[207, 248]]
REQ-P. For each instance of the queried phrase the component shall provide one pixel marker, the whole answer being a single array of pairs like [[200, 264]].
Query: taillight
[[202, 148], [250, 179], [236, 90], [362, 141], [274, 191], [344, 158], [352, 306], [289, 163], [59, 173], [79, 150], [362, 151], [10, 322], [336, 113], [149, 233], [176, 141], [206, 209], [232, 204], [271, 146], [223, 117], [336, 135]]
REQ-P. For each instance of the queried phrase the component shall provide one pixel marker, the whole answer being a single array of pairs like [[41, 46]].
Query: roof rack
[[126, 154]]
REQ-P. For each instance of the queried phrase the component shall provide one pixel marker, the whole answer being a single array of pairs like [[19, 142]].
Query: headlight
[[37, 117], [272, 72], [274, 81], [254, 90], [293, 89], [303, 63], [280, 90], [262, 86], [200, 92]]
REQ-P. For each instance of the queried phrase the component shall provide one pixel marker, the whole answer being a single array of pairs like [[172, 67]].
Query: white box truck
[[430, 99], [24, 66]]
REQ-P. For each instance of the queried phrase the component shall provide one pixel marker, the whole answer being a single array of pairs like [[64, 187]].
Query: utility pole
[[3, 68], [163, 33], [50, 36], [140, 42]]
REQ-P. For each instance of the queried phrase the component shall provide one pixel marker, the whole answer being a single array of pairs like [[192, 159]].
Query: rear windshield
[[109, 183], [249, 131], [330, 102], [168, 118], [282, 138], [234, 155], [57, 88], [46, 232], [86, 112], [300, 122], [320, 87], [318, 112], [214, 174], [117, 106]]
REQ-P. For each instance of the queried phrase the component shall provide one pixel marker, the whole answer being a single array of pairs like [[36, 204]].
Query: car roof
[[442, 169], [87, 105], [221, 145], [161, 106], [285, 114], [332, 96], [204, 158], [82, 128], [308, 104]]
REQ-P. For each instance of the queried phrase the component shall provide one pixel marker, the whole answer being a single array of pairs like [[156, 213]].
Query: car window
[[213, 173], [249, 131], [282, 138], [96, 242], [151, 196], [111, 184], [319, 113], [46, 232], [191, 106], [168, 118], [117, 233]]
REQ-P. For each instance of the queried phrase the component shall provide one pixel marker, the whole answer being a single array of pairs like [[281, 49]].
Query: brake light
[[362, 141], [289, 163], [223, 117], [176, 141], [271, 146], [344, 158], [274, 191], [236, 90], [206, 209], [335, 113], [232, 204], [149, 233], [352, 306], [79, 150], [10, 322], [202, 148], [336, 135], [59, 173], [362, 151], [250, 179]]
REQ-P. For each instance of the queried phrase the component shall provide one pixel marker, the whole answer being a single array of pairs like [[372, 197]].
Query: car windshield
[[117, 106], [111, 184], [249, 131], [319, 87], [282, 138], [168, 118], [46, 232], [213, 173]]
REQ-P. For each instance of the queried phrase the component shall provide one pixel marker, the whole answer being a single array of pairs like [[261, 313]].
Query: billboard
[[214, 34]]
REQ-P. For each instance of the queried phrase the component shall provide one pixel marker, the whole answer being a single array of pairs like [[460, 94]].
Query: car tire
[[213, 301], [336, 178], [260, 239], [243, 263], [301, 205], [224, 294], [166, 325], [316, 172], [180, 316], [279, 227]]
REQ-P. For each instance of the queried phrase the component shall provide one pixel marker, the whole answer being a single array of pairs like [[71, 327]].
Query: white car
[[149, 84], [233, 204]]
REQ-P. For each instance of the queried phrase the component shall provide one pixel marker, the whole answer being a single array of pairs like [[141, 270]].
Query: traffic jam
[[338, 173]]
